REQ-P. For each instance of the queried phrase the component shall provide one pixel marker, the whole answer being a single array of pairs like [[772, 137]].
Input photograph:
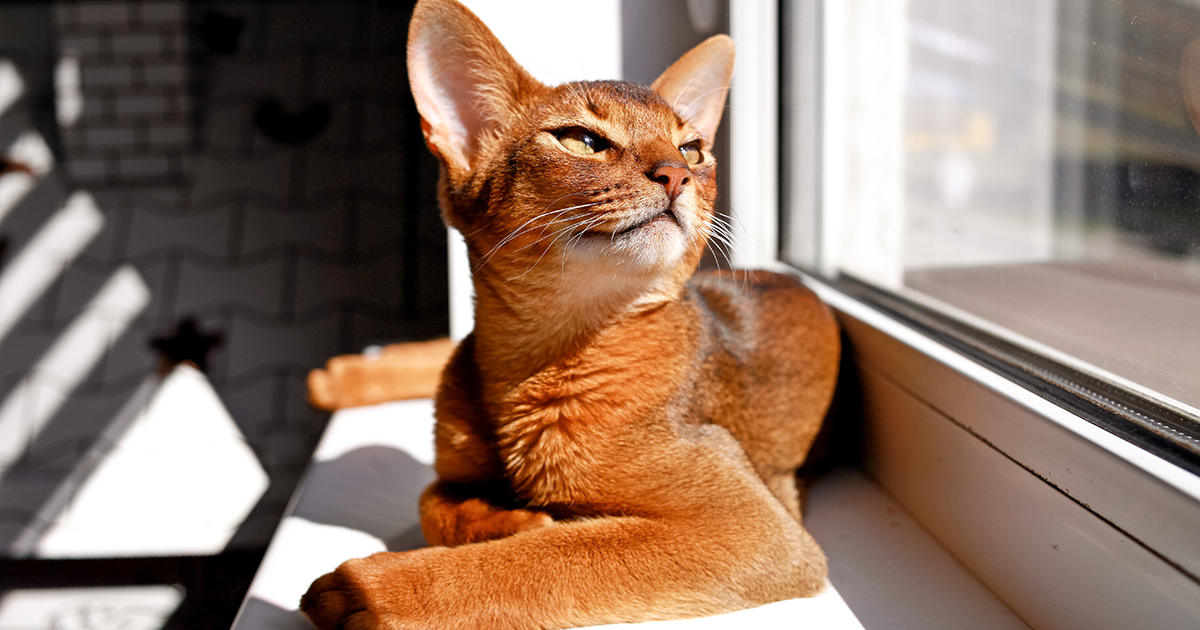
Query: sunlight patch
[[11, 85], [35, 400], [179, 481], [126, 608]]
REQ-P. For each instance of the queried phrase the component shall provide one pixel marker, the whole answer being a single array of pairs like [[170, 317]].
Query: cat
[[617, 440]]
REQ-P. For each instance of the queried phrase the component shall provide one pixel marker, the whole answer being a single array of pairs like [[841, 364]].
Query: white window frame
[[1068, 524]]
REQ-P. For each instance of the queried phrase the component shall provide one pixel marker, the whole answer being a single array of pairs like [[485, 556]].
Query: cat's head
[[585, 178]]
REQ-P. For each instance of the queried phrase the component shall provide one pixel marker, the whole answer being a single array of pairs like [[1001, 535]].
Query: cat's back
[[767, 361], [763, 309]]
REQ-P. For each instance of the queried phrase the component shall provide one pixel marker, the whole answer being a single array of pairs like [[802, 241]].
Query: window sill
[[360, 497], [1068, 524]]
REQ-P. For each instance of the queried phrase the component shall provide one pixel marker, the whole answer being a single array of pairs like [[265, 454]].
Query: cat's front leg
[[451, 518], [380, 591], [578, 573]]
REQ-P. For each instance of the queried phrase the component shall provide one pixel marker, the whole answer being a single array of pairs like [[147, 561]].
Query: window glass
[[1034, 166]]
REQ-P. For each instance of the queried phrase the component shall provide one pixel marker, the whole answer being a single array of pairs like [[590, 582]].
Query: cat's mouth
[[665, 215]]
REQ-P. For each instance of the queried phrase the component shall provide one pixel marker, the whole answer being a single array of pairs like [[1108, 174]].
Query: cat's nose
[[672, 177]]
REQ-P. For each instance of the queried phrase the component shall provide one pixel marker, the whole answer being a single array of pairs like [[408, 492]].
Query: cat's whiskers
[[518, 232], [572, 240], [721, 234], [523, 229], [729, 226], [575, 222], [548, 205], [550, 246]]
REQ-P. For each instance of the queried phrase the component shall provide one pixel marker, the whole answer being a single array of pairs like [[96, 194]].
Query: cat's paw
[[380, 591], [336, 600]]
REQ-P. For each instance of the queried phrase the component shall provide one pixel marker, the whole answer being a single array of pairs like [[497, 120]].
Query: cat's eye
[[581, 141], [691, 152]]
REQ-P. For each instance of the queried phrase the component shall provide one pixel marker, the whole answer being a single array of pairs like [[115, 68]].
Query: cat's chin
[[656, 245]]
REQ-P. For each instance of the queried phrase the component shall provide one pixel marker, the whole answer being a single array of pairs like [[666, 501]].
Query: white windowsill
[[372, 463]]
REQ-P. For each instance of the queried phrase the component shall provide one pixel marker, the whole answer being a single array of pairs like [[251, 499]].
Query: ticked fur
[[617, 440]]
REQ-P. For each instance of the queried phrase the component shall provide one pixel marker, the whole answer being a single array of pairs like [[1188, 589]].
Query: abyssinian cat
[[617, 440]]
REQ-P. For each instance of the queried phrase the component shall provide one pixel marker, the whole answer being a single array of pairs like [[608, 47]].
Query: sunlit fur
[[617, 440]]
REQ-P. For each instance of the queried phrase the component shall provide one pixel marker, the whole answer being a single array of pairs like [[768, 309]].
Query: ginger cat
[[617, 441]]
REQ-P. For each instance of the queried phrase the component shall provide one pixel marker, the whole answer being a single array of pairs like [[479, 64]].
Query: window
[[1036, 167], [1002, 200]]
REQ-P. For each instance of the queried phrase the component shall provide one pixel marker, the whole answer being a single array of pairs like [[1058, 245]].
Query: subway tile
[[153, 105], [114, 76], [89, 169], [168, 135], [84, 45], [133, 168], [165, 73], [173, 43], [159, 11], [104, 13], [66, 13], [102, 138], [126, 45]]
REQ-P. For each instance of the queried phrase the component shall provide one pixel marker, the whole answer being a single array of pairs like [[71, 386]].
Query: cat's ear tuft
[[697, 84], [464, 82]]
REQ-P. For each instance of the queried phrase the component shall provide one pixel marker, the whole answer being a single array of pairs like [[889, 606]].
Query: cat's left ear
[[696, 85]]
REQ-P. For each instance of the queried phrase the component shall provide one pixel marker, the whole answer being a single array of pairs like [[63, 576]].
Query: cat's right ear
[[696, 85], [465, 83]]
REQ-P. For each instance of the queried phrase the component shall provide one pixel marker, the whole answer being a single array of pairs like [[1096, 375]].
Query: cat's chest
[[563, 432]]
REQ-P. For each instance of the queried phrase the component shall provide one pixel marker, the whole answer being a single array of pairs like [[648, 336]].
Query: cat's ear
[[696, 85], [465, 83]]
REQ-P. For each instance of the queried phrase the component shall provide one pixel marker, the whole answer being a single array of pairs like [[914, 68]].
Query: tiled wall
[[260, 166], [134, 127]]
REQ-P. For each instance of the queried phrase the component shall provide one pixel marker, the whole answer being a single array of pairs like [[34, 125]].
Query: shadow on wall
[[254, 166]]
